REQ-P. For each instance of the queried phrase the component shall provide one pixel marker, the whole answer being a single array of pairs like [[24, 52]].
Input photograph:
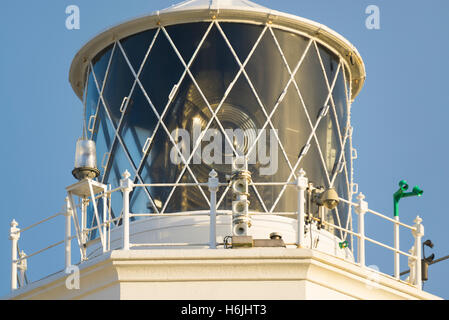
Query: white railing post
[[412, 265], [213, 188], [67, 240], [22, 266], [84, 232], [127, 186], [361, 210], [109, 202], [301, 186], [418, 233], [14, 235], [105, 203], [397, 270]]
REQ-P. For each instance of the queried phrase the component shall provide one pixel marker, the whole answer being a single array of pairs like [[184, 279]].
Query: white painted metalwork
[[418, 233], [22, 266], [68, 230], [213, 188], [301, 184], [85, 189], [361, 210], [397, 268], [14, 236], [127, 187], [82, 189]]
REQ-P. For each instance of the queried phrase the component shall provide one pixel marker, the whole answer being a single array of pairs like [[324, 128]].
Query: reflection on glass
[[118, 85], [101, 63], [103, 135], [339, 97], [92, 97], [137, 46]]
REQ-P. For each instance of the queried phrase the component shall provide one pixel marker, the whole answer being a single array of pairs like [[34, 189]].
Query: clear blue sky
[[399, 118]]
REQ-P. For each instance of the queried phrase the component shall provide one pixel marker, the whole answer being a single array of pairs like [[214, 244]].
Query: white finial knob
[[417, 220], [362, 208], [213, 174], [126, 174], [302, 181], [14, 223]]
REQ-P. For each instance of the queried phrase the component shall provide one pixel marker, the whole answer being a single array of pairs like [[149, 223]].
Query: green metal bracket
[[398, 195], [343, 244]]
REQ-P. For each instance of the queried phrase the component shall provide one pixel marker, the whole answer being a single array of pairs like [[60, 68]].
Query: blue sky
[[399, 118]]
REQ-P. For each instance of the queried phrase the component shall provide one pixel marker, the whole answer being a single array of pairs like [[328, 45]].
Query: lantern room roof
[[215, 4], [242, 11]]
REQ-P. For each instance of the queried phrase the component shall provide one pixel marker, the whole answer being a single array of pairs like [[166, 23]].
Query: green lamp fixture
[[398, 195]]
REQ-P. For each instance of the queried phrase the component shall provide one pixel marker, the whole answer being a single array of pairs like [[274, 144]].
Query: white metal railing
[[96, 191]]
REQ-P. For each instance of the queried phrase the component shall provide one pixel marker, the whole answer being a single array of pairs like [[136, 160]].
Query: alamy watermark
[[211, 147], [73, 279], [72, 22], [372, 22]]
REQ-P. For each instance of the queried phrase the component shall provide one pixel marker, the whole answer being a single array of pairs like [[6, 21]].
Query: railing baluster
[[397, 267], [22, 266], [68, 241], [418, 233], [301, 185], [361, 210], [14, 235], [127, 186], [213, 188], [105, 203]]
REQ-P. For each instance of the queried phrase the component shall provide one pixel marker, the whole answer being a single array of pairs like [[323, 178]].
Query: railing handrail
[[108, 222], [380, 215], [40, 222]]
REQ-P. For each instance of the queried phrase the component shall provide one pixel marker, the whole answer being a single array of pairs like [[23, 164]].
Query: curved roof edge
[[228, 10], [215, 4]]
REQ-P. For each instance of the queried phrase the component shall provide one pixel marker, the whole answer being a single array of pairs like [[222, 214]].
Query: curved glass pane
[[214, 68], [342, 188], [103, 135], [341, 108], [312, 83], [138, 124], [137, 46], [101, 63], [329, 63], [117, 86], [161, 72], [186, 46], [293, 46], [329, 141], [92, 97], [268, 79]]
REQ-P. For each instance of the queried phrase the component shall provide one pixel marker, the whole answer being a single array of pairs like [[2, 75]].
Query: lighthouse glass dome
[[289, 92]]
